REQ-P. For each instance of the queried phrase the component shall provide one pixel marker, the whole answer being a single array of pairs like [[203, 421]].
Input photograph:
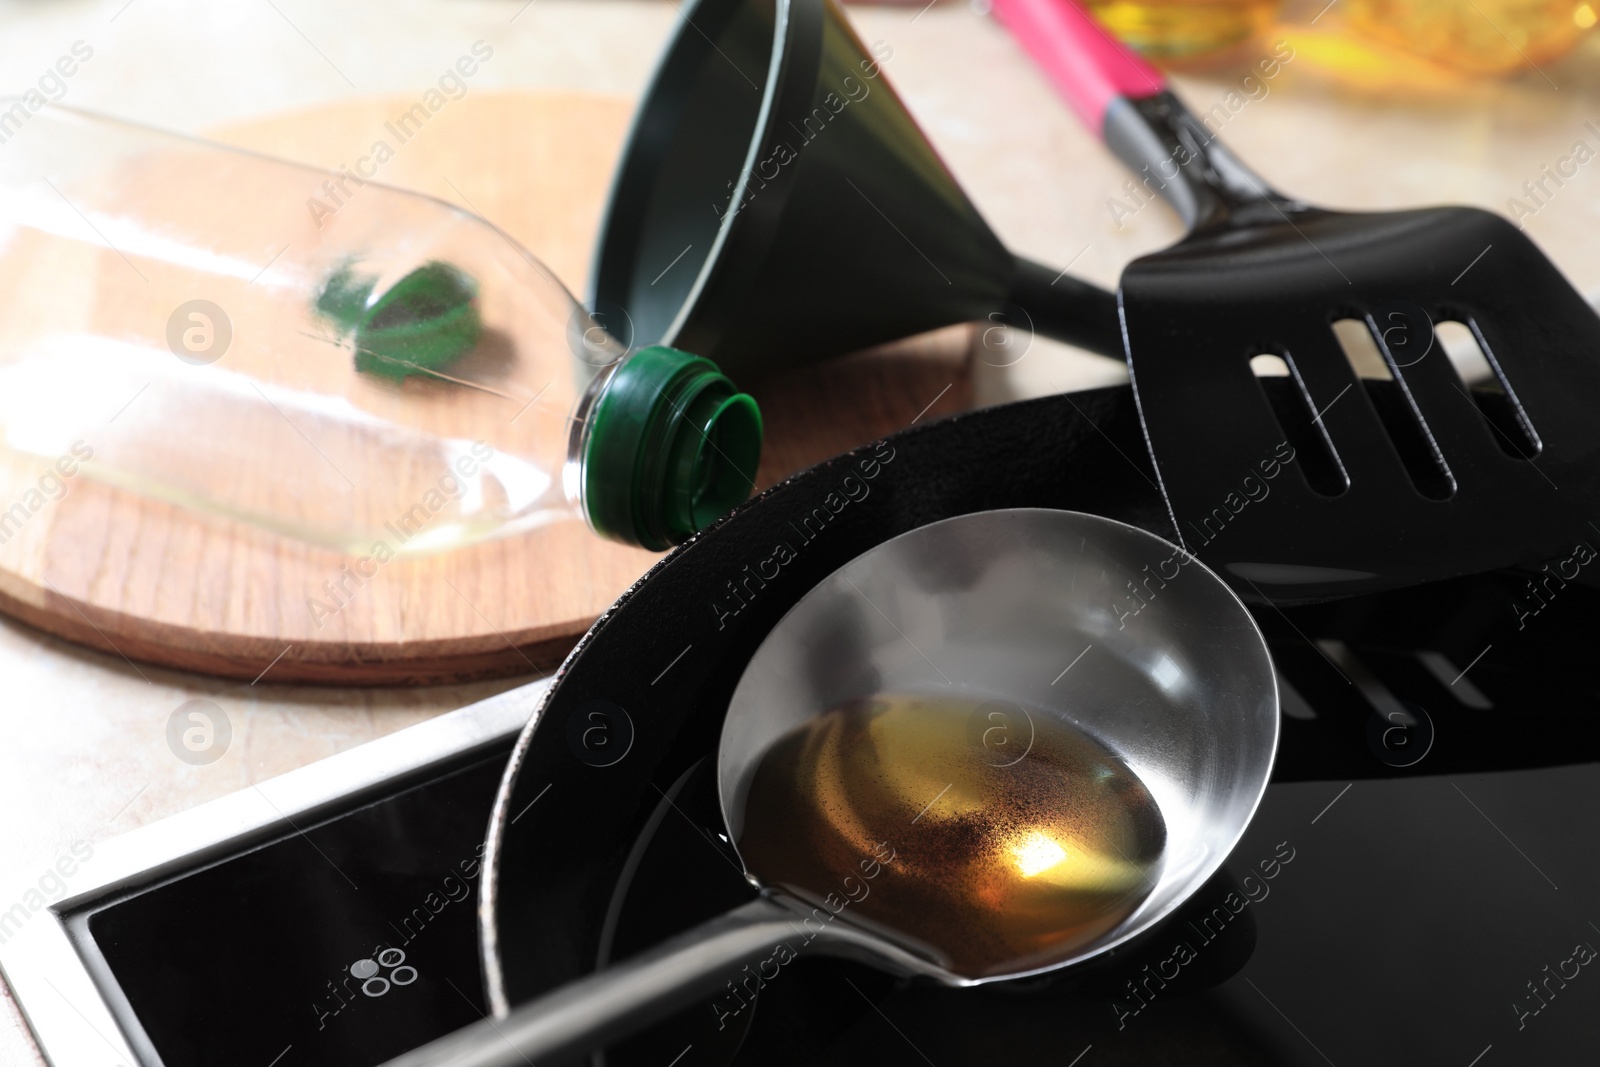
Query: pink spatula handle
[[1090, 67], [1125, 102]]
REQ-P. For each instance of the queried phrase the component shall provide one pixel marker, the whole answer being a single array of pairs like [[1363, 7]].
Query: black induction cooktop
[[349, 942], [1432, 917]]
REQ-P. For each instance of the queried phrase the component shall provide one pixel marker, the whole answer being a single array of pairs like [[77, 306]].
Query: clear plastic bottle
[[334, 360]]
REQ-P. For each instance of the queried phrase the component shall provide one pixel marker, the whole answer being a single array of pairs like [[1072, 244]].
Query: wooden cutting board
[[159, 583]]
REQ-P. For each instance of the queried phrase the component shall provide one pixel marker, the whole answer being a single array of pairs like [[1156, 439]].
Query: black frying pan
[[653, 677]]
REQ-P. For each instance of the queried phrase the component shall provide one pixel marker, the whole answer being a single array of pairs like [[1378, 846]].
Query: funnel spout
[[1062, 307]]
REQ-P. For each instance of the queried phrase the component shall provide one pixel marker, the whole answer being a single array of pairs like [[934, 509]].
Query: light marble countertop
[[83, 736]]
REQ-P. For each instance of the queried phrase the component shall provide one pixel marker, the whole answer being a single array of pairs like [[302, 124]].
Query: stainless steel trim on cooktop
[[72, 1010]]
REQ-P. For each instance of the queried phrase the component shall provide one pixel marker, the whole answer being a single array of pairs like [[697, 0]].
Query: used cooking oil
[[997, 838]]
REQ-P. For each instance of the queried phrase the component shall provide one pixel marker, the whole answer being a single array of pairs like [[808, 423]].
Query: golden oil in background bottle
[[1434, 41], [1181, 30], [1482, 37]]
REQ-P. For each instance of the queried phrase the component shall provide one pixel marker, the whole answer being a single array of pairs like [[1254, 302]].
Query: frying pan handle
[[721, 963], [1125, 101]]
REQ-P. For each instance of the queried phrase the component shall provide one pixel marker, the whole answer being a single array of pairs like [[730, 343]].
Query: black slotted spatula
[[1322, 484]]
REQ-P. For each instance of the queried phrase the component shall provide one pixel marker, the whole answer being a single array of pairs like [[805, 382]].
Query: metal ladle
[[993, 604]]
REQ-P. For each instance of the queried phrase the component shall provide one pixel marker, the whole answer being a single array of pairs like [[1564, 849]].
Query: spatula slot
[[1409, 435], [1296, 416], [1459, 343], [1361, 350], [1268, 365], [1513, 432]]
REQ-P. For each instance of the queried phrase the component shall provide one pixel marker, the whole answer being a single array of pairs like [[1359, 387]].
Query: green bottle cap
[[671, 446]]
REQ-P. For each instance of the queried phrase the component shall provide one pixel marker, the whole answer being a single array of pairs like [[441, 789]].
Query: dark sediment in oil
[[1017, 838]]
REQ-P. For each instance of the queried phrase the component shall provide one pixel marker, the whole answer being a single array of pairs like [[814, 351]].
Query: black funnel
[[776, 204]]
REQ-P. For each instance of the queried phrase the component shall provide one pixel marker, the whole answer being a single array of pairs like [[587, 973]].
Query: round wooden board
[[155, 582]]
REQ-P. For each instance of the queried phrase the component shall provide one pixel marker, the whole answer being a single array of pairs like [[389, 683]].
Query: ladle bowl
[[1121, 633]]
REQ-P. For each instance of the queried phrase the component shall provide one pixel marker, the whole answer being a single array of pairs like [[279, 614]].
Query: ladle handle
[[626, 997], [1125, 101]]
